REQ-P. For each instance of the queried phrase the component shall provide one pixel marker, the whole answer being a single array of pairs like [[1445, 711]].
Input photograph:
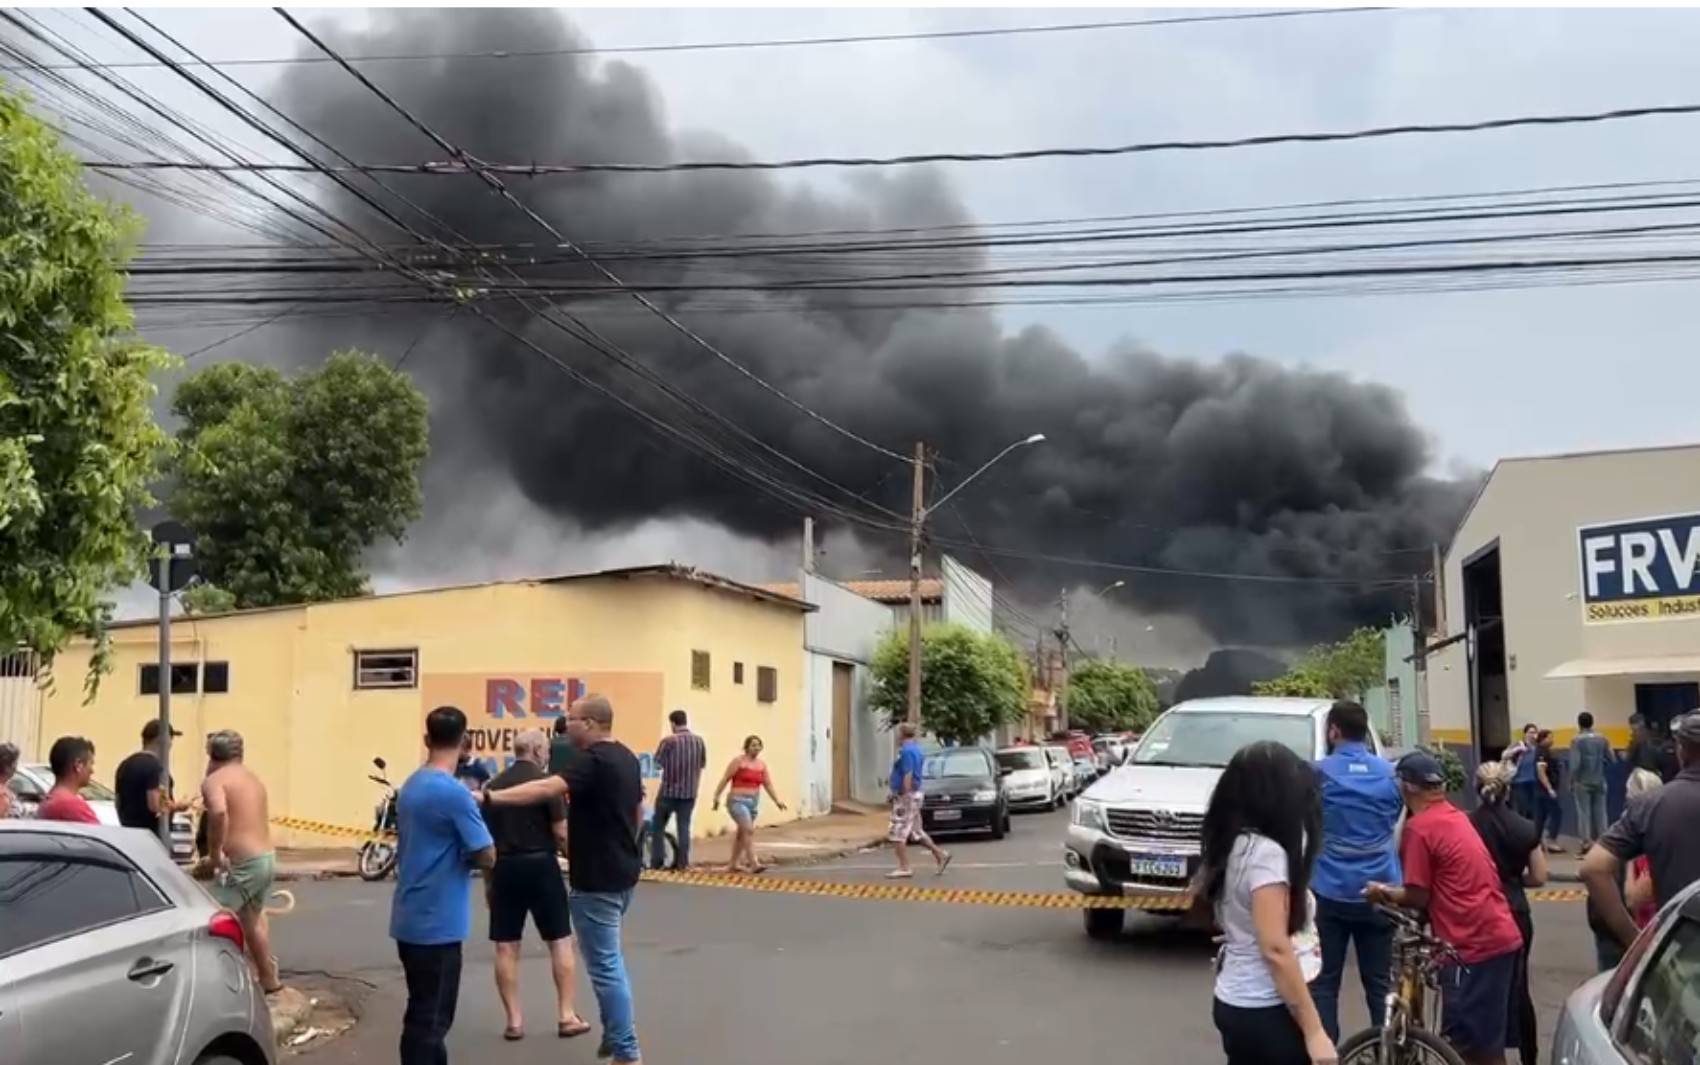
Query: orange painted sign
[[498, 706]]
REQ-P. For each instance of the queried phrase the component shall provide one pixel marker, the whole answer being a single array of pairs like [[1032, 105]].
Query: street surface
[[726, 977]]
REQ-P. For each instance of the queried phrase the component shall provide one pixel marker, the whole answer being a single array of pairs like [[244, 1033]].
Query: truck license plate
[[1161, 866], [947, 815]]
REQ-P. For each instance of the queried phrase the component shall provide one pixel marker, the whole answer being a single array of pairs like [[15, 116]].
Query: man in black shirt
[[604, 786], [525, 881], [142, 786]]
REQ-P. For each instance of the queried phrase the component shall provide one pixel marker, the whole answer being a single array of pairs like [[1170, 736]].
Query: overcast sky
[[1489, 374]]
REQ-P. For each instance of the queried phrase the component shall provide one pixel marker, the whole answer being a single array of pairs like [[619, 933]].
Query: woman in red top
[[747, 776], [1638, 885], [72, 761]]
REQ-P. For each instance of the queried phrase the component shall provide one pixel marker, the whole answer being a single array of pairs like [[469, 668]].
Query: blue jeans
[[681, 810], [1525, 798], [1551, 816], [1339, 924], [596, 920], [1590, 811]]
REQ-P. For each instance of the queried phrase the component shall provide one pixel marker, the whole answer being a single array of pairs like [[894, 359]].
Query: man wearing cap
[[239, 846], [1658, 824], [1449, 872], [142, 785]]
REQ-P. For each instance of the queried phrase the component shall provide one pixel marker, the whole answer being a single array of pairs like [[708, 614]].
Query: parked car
[[1646, 1009], [1062, 764], [1086, 770], [962, 791], [1029, 780], [100, 918], [1137, 831], [1110, 749], [31, 783]]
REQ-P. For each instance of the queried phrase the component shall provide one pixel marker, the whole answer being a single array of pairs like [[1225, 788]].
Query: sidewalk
[[806, 842]]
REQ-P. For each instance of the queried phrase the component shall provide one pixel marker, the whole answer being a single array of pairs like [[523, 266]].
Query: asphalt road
[[725, 977]]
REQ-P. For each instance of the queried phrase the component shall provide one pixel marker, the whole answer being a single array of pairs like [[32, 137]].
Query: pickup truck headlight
[[1089, 814], [986, 796]]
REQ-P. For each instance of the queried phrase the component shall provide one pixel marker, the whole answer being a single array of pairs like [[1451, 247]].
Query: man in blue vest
[[1361, 806]]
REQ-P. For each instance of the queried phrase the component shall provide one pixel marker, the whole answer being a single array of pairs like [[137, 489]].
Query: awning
[[1626, 667]]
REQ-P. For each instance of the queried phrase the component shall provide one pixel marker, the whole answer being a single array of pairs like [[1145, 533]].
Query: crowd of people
[[1298, 858]]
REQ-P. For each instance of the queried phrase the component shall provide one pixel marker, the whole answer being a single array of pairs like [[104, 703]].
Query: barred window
[[767, 684], [701, 674], [394, 668]]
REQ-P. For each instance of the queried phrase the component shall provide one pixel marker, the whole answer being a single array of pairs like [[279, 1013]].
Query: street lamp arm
[[993, 461]]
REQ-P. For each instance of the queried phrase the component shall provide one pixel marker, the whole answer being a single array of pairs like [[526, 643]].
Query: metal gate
[[21, 698]]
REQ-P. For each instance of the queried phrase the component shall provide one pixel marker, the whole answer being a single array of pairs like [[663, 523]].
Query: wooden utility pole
[[917, 518], [1062, 642], [1439, 593]]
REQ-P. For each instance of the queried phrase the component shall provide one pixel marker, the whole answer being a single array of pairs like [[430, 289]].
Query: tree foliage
[[287, 481], [1108, 696], [78, 442], [1344, 670], [971, 682]]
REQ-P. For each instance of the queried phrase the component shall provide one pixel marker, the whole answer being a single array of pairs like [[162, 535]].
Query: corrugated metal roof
[[894, 592]]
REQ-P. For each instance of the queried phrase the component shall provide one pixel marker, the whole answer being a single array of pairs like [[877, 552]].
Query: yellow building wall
[[311, 736]]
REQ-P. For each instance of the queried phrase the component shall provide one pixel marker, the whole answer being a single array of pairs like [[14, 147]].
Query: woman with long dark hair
[[1262, 833]]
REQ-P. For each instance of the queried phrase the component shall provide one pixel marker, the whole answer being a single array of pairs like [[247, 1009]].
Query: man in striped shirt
[[681, 759]]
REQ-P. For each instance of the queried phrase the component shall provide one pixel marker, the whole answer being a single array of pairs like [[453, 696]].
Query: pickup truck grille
[[1155, 824]]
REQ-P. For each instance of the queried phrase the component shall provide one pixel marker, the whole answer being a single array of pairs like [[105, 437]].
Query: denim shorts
[[743, 808]]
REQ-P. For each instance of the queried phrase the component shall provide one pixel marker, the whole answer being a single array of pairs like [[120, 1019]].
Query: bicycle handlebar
[[1412, 922]]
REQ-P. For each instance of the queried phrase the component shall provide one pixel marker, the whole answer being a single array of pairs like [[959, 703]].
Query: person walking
[[681, 756], [1525, 786], [604, 788], [1590, 755], [143, 788], [1514, 843], [748, 777], [440, 839], [526, 882], [1449, 873], [1262, 832], [72, 760], [1549, 774], [906, 802], [239, 847], [1659, 825], [1361, 806]]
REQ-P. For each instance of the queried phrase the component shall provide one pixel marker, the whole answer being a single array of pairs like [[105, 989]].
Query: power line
[[465, 164], [749, 45], [1159, 571]]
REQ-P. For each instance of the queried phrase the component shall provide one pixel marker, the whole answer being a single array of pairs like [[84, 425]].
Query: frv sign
[[1642, 570]]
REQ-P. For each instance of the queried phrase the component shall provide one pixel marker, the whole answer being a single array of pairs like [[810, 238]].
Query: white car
[[1029, 779], [1137, 831], [31, 783], [1062, 764]]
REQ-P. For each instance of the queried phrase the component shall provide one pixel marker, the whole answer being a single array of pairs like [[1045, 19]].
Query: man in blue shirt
[[440, 839], [1361, 806], [906, 805]]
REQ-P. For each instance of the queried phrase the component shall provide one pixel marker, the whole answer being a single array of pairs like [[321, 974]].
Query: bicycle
[[1419, 959]]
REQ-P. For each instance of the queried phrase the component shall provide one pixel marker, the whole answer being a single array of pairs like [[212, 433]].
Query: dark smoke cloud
[[1240, 465]]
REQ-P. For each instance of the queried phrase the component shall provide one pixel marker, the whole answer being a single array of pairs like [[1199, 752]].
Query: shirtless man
[[239, 847]]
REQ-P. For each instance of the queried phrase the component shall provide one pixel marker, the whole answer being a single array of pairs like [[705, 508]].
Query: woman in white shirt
[[1261, 836]]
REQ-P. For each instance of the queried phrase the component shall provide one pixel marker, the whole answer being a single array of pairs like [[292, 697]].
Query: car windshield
[[1028, 759], [1209, 739], [954, 764], [98, 793]]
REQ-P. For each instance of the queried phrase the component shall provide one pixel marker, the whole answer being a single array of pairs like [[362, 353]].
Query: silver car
[[31, 783], [1647, 1010], [110, 953]]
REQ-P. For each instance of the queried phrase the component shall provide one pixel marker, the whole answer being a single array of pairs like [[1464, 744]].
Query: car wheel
[[217, 1059], [1104, 922], [1000, 824]]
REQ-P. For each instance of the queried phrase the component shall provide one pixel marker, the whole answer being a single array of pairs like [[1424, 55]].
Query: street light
[[919, 512]]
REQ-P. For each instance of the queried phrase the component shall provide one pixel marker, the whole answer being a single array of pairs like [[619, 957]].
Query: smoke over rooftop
[[1240, 465]]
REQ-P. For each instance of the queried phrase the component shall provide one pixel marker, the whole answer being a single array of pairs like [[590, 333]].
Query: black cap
[[1421, 769], [150, 731]]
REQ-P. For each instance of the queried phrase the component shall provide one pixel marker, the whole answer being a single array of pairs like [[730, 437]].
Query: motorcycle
[[378, 856]]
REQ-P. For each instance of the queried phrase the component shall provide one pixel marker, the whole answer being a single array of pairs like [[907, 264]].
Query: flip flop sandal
[[513, 1035], [572, 1029], [944, 864]]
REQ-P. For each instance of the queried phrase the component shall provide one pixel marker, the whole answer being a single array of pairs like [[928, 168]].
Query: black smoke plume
[[1236, 466]]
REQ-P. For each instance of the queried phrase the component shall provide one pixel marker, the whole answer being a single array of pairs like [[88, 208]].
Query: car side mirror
[[379, 762]]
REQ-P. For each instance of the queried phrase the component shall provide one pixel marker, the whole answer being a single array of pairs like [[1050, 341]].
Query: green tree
[[1110, 697], [287, 481], [1344, 670], [205, 598], [78, 442], [971, 682]]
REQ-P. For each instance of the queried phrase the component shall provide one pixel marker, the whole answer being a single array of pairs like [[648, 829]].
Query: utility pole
[[1439, 593], [917, 518], [1062, 641], [808, 545], [164, 568]]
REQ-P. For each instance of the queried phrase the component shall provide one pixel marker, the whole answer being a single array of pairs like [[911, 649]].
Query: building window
[[737, 672], [185, 678], [215, 678], [700, 671], [377, 670], [767, 684], [1395, 712]]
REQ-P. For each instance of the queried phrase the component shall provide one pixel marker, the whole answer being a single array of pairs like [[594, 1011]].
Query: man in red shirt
[[72, 761], [1449, 872]]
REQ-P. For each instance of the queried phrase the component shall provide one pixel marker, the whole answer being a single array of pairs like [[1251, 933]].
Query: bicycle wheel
[[1419, 1047]]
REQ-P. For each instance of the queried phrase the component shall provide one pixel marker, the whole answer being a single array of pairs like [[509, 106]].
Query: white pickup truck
[[1137, 830]]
